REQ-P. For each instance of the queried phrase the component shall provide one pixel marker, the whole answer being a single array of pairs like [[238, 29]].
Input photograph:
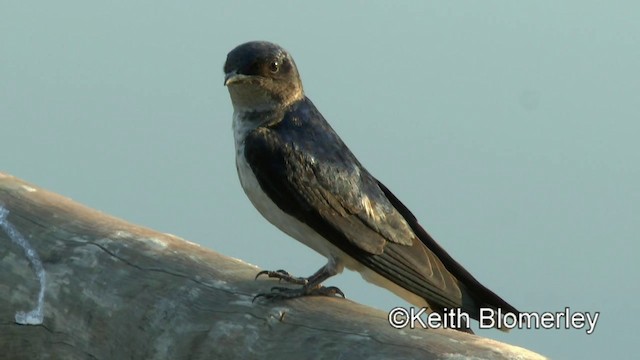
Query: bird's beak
[[233, 77]]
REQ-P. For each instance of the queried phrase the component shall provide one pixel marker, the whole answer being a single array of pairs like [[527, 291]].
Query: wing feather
[[306, 169]]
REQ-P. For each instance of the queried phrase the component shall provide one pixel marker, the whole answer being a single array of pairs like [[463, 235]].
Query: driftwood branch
[[78, 284]]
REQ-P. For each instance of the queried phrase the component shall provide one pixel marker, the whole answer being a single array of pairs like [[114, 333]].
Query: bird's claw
[[281, 292], [330, 291], [282, 275]]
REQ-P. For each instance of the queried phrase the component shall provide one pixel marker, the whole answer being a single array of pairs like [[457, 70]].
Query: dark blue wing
[[306, 169]]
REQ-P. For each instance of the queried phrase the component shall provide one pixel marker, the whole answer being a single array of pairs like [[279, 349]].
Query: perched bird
[[303, 179]]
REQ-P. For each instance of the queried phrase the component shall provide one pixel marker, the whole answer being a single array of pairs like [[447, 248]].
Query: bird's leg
[[311, 286]]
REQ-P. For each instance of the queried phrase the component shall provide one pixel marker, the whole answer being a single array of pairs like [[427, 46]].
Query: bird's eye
[[274, 66]]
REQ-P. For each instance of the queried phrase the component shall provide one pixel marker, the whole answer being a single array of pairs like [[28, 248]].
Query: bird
[[299, 174]]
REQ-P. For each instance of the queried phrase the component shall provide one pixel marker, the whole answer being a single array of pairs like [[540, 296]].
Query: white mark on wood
[[224, 330], [159, 243], [121, 234], [29, 188], [234, 270], [35, 316], [277, 315], [243, 300], [175, 236], [219, 284], [357, 337]]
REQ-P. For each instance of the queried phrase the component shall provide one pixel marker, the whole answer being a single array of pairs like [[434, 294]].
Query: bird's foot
[[283, 276], [281, 293]]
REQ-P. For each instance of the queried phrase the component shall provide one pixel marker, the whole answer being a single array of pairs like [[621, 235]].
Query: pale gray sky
[[509, 128]]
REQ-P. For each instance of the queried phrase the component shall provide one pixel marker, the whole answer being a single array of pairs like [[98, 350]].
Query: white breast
[[267, 208], [288, 224]]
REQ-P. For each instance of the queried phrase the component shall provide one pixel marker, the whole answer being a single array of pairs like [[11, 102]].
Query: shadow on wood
[[114, 290]]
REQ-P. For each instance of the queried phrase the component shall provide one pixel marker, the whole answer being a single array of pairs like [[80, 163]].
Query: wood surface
[[115, 290]]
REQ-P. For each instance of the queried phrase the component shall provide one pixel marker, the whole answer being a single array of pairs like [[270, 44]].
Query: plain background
[[509, 128]]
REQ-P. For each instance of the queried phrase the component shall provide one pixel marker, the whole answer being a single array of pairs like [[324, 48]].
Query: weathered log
[[114, 290]]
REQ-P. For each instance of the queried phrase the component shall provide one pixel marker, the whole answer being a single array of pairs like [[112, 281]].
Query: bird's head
[[261, 76]]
